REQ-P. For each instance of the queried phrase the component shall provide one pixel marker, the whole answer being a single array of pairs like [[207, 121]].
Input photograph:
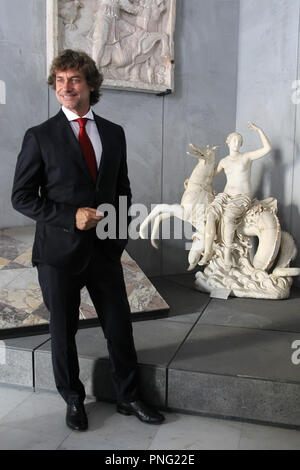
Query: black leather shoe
[[76, 417], [141, 411]]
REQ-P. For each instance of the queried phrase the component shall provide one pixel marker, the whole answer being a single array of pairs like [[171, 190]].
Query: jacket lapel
[[103, 132]]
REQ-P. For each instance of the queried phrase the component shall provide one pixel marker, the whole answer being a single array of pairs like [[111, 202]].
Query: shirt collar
[[72, 116]]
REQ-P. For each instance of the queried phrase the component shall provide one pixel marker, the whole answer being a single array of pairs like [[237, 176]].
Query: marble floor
[[21, 303], [36, 420]]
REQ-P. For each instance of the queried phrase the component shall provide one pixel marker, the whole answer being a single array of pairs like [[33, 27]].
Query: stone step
[[230, 359], [194, 367]]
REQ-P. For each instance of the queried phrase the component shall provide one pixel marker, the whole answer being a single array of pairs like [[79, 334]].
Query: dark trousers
[[104, 280]]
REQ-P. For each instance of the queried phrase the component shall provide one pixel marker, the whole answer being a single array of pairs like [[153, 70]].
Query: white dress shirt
[[91, 130]]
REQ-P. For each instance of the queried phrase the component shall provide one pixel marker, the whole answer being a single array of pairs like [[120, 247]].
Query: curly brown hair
[[78, 60]]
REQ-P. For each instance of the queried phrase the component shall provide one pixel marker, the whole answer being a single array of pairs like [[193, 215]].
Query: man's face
[[72, 90]]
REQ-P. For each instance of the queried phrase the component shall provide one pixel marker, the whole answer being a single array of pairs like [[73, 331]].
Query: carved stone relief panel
[[131, 41]]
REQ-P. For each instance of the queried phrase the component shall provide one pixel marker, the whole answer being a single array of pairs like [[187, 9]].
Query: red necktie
[[87, 147]]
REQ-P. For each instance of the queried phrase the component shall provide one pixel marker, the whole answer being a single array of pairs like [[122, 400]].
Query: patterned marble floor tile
[[13, 265], [11, 317], [25, 234], [33, 320], [23, 299], [7, 276], [11, 248], [141, 296], [24, 278], [86, 311], [41, 314], [20, 298], [25, 258], [3, 262], [21, 302]]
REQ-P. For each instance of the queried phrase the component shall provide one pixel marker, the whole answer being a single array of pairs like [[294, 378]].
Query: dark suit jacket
[[52, 180]]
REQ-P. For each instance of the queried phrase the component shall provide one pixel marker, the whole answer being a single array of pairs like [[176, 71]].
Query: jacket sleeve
[[28, 179]]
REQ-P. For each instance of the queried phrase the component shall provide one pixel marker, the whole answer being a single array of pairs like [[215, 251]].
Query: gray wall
[[268, 63], [23, 68], [202, 109]]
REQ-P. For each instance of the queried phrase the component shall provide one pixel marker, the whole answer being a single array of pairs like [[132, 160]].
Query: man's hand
[[87, 218]]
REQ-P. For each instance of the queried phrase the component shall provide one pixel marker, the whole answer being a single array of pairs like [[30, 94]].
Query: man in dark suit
[[67, 167]]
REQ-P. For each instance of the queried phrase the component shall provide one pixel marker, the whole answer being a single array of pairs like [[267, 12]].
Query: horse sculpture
[[197, 196]]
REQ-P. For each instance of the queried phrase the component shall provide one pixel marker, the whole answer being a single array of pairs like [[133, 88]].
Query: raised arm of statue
[[265, 149]]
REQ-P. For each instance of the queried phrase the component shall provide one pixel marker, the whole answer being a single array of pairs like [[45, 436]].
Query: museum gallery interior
[[208, 94]]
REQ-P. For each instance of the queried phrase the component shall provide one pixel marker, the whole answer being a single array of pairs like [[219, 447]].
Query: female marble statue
[[234, 202]]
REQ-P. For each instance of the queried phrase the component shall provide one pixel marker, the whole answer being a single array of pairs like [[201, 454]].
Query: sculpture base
[[240, 274], [243, 280]]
